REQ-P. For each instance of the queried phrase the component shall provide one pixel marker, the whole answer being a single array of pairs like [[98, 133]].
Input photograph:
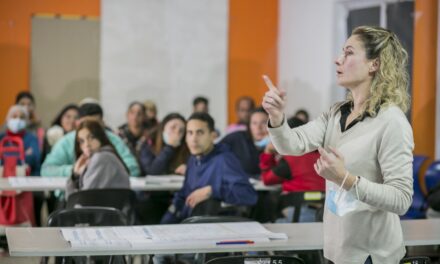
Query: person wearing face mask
[[16, 122], [98, 164], [26, 99], [247, 145], [167, 153], [366, 149]]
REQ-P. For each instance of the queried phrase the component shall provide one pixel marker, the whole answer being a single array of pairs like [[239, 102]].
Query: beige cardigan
[[379, 150]]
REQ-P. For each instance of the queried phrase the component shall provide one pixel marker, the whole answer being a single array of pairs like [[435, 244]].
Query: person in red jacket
[[294, 173]]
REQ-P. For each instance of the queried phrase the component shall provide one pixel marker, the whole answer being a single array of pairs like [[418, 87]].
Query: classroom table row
[[300, 236], [148, 183]]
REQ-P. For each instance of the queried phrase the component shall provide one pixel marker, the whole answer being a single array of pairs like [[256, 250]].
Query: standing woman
[[365, 145]]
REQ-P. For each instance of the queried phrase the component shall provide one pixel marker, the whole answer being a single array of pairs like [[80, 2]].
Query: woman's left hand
[[330, 165]]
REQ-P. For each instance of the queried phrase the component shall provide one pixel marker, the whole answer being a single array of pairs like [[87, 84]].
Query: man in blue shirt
[[213, 172]]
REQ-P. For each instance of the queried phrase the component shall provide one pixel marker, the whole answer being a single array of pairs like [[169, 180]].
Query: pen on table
[[234, 242]]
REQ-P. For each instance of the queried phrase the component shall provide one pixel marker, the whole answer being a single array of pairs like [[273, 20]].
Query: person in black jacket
[[248, 145], [166, 153]]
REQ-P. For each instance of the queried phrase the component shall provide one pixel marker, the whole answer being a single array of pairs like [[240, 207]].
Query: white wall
[[166, 50], [306, 54]]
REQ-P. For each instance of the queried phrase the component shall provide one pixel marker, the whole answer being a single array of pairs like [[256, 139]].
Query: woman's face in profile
[[88, 142], [352, 66]]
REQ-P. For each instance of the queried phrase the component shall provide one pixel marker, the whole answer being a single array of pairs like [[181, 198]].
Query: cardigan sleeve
[[300, 140], [395, 160]]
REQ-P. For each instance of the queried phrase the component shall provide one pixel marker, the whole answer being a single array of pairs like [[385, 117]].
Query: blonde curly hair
[[391, 80]]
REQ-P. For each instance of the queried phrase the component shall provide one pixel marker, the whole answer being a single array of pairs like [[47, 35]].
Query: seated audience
[[63, 123], [150, 123], [200, 105], [295, 173], [247, 145], [302, 114], [60, 161], [16, 121], [133, 132], [243, 109], [98, 164], [213, 172], [168, 153], [16, 125], [27, 100]]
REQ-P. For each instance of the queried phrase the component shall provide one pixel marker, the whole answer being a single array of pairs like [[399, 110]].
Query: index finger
[[269, 83]]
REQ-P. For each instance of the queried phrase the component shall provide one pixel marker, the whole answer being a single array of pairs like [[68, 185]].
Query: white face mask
[[263, 142], [16, 125], [340, 202], [166, 139]]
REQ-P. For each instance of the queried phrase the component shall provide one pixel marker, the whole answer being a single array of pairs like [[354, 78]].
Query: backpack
[[16, 208]]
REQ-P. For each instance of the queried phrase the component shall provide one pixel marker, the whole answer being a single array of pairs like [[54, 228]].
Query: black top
[[345, 112]]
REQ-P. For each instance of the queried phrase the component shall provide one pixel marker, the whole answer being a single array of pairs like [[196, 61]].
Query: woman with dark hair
[[63, 123], [167, 153], [97, 165], [133, 132]]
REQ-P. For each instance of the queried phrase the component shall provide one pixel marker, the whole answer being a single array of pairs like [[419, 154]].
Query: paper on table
[[36, 181], [217, 231], [139, 236], [96, 237], [164, 178]]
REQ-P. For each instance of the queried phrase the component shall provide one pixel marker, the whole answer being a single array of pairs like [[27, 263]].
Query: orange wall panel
[[424, 76], [253, 49], [15, 33]]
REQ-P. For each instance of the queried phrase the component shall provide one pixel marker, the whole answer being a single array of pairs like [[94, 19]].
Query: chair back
[[432, 175], [418, 206], [256, 260], [298, 199], [207, 207], [87, 216], [415, 260], [121, 199]]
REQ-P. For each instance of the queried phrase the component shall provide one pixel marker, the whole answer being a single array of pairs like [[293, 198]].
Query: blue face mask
[[262, 143], [166, 139], [15, 125]]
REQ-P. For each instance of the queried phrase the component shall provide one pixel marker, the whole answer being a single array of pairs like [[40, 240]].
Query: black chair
[[87, 216], [121, 199], [207, 207], [415, 260], [256, 260]]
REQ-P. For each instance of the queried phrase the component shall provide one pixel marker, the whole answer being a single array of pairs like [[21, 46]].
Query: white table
[[302, 236], [34, 184]]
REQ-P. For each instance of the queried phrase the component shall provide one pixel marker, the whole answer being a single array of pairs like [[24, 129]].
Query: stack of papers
[[144, 236]]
